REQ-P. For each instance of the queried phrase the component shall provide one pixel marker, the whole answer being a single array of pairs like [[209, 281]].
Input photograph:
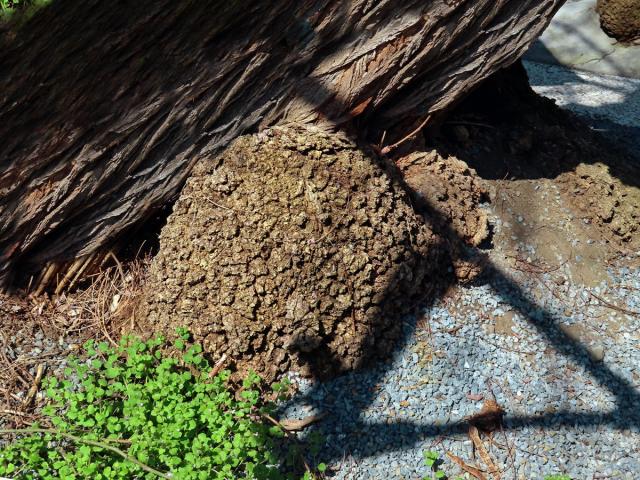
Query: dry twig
[[467, 468], [615, 307], [36, 385], [218, 366], [288, 435], [390, 148]]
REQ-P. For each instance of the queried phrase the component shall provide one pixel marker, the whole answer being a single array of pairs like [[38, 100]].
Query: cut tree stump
[[105, 107]]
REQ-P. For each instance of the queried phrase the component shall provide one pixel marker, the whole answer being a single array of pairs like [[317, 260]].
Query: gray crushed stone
[[565, 412], [608, 103]]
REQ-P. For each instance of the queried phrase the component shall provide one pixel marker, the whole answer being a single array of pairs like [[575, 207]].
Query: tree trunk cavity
[[105, 107]]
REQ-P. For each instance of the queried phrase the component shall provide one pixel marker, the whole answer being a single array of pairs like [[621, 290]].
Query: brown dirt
[[293, 249], [620, 19], [555, 185], [539, 227], [604, 200]]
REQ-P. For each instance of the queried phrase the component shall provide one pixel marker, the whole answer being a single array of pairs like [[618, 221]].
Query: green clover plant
[[137, 412]]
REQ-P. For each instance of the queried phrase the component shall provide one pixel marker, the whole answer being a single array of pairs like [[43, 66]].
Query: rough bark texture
[[292, 249], [105, 107], [620, 19]]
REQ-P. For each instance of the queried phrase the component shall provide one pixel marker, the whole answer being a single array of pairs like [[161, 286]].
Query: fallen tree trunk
[[105, 107]]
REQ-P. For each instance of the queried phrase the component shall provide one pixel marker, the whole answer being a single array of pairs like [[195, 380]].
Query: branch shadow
[[358, 436]]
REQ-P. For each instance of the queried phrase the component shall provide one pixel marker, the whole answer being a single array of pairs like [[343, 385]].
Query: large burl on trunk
[[105, 107], [292, 249], [300, 249], [620, 19]]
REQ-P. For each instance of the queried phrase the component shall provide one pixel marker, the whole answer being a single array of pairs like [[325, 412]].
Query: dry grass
[[38, 333]]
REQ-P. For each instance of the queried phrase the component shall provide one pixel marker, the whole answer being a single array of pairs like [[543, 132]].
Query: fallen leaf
[[489, 418]]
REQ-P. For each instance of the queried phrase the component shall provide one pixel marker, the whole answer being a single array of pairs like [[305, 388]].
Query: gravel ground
[[571, 403], [560, 358], [608, 103]]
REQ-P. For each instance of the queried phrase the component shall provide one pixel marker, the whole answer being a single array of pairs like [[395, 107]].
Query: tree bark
[[106, 106]]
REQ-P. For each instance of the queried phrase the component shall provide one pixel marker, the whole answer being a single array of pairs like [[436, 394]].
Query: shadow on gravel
[[362, 438], [625, 136]]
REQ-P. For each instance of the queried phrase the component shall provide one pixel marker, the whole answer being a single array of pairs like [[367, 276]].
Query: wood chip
[[476, 473], [474, 435], [475, 397], [295, 425], [218, 366], [36, 385]]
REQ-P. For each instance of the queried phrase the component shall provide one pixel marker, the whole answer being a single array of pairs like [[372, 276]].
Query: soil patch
[[604, 200], [553, 181]]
